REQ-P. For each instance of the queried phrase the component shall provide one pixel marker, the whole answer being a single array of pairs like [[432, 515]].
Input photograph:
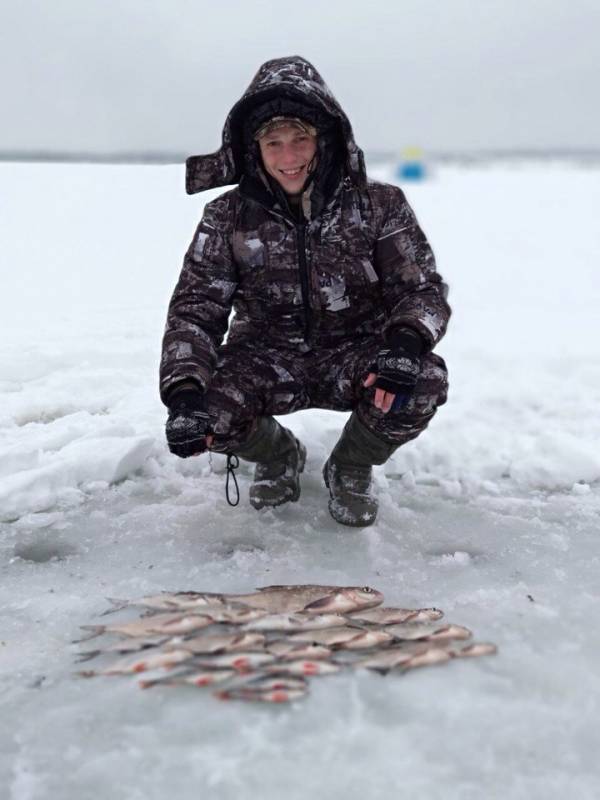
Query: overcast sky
[[147, 75]]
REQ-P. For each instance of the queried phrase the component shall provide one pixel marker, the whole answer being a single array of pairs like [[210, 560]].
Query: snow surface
[[492, 514]]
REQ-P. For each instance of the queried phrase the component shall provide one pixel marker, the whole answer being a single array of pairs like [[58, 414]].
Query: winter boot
[[279, 458], [348, 474]]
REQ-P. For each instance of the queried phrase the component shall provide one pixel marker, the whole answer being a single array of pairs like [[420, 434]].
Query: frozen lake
[[492, 514]]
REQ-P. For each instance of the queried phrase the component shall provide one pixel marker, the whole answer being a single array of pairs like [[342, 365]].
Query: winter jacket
[[355, 263]]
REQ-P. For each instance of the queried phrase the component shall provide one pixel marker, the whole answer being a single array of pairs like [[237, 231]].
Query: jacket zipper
[[304, 285], [303, 267]]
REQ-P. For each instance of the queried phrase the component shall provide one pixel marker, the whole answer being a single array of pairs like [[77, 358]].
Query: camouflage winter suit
[[312, 296]]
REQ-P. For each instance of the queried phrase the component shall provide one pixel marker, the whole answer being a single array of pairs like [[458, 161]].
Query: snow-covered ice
[[492, 514]]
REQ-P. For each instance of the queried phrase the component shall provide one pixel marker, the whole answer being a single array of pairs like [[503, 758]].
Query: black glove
[[188, 424], [399, 364]]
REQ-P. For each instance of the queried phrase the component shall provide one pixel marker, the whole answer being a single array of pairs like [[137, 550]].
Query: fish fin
[[274, 586], [320, 603], [116, 604], [97, 630]]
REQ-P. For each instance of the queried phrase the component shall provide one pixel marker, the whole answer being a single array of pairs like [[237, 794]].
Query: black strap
[[233, 463]]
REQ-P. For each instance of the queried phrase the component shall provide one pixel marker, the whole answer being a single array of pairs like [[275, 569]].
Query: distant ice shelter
[[412, 165]]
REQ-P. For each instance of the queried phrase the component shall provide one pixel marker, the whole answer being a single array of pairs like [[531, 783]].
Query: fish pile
[[265, 645]]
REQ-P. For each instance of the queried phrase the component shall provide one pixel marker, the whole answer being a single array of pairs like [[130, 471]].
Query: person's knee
[[231, 419], [409, 416], [431, 390]]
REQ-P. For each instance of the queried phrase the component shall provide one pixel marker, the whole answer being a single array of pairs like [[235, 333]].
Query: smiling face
[[287, 154]]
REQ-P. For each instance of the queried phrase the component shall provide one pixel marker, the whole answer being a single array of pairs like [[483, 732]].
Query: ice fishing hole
[[41, 551]]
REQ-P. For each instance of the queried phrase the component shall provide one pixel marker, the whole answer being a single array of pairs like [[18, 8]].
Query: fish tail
[[96, 630], [146, 684], [86, 655], [116, 604]]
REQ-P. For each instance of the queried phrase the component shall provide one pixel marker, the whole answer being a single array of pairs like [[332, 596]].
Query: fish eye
[[367, 589]]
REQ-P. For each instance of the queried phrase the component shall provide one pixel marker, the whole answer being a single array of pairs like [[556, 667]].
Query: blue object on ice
[[411, 171]]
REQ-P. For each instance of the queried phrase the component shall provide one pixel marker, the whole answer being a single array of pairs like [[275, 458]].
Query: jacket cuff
[[187, 385], [405, 338]]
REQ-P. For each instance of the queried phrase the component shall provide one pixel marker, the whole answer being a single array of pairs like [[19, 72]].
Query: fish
[[260, 682], [472, 650], [365, 640], [295, 622], [227, 613], [330, 637], [346, 638], [140, 663], [302, 667], [267, 696], [218, 643], [131, 645], [420, 653], [444, 651], [431, 656], [234, 614], [292, 651], [411, 631], [393, 656], [174, 623], [394, 616], [168, 601], [241, 662], [194, 677], [312, 598], [315, 599]]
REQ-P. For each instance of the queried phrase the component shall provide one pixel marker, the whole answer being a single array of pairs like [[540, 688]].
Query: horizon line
[[176, 157]]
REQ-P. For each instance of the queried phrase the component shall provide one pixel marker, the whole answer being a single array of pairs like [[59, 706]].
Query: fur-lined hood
[[290, 79]]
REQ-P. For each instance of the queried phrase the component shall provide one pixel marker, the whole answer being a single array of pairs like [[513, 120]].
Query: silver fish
[[330, 637], [168, 601], [259, 682], [293, 651], [225, 613], [393, 656], [267, 696], [395, 616], [420, 653], [410, 631], [347, 638], [444, 651], [218, 643], [242, 662], [195, 677], [234, 614], [434, 655], [472, 650], [295, 622], [141, 663], [131, 645], [311, 598], [364, 640], [302, 667], [172, 624]]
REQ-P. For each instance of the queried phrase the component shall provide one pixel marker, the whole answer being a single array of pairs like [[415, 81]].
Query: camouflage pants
[[253, 380]]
